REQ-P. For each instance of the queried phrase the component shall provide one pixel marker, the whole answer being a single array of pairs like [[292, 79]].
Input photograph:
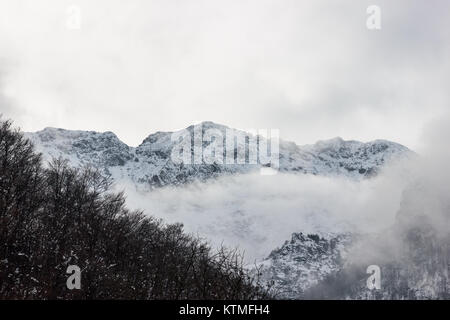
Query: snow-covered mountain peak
[[165, 137], [211, 125], [100, 149], [58, 135], [334, 143]]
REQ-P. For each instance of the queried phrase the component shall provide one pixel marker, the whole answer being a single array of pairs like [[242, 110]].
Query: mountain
[[413, 256], [151, 164], [302, 262], [323, 263]]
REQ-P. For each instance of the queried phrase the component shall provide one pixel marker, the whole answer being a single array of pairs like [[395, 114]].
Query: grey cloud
[[141, 66]]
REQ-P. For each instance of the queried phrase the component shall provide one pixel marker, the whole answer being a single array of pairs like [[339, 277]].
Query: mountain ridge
[[151, 164]]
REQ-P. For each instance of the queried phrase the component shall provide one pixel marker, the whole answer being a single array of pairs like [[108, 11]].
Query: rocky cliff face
[[303, 262]]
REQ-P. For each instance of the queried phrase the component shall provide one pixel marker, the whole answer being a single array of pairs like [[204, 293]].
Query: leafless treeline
[[58, 216]]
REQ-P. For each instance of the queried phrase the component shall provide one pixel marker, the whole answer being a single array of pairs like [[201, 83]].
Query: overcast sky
[[309, 68]]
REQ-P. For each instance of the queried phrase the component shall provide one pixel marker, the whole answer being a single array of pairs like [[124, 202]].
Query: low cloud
[[258, 213]]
